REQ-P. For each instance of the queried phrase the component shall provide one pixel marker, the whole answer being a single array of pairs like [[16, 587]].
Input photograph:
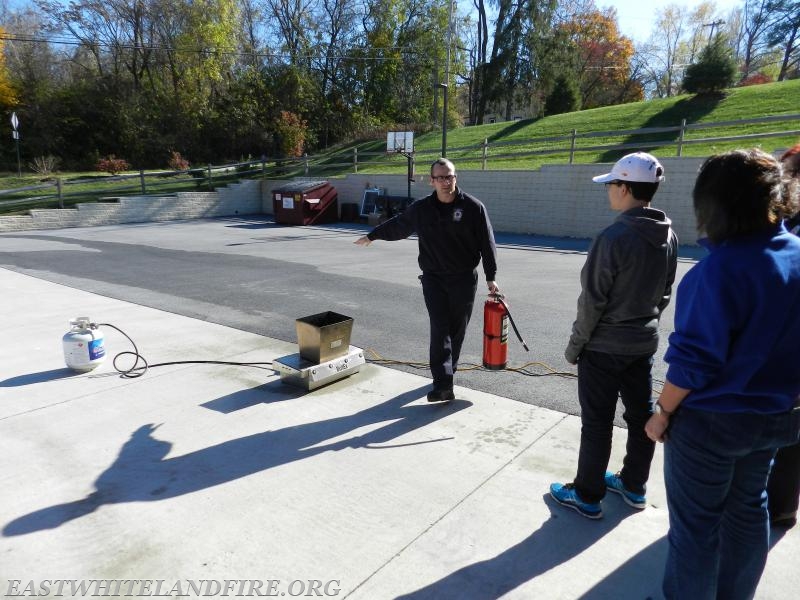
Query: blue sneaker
[[566, 495], [614, 484]]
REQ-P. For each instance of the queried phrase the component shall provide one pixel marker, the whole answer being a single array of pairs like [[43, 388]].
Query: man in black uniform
[[454, 234]]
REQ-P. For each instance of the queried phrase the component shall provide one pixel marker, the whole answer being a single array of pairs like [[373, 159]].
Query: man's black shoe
[[441, 396]]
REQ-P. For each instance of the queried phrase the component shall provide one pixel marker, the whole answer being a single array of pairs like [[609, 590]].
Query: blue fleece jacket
[[736, 342]]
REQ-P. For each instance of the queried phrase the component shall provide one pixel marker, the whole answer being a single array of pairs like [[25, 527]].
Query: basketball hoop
[[400, 142]]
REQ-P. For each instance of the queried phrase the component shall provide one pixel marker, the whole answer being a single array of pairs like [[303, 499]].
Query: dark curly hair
[[740, 192]]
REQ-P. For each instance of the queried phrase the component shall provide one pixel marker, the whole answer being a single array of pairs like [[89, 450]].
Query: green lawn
[[512, 145]]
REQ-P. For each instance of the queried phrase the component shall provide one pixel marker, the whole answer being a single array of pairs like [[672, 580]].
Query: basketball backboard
[[400, 141]]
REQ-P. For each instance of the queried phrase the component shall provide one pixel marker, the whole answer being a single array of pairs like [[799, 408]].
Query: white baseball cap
[[639, 166]]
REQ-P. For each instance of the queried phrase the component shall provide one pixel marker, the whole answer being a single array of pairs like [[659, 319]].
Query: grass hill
[[514, 145], [510, 140]]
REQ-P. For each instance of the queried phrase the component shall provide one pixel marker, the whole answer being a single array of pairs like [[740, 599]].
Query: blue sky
[[635, 17]]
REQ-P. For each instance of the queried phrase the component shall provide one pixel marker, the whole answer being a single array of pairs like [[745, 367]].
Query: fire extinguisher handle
[[514, 325]]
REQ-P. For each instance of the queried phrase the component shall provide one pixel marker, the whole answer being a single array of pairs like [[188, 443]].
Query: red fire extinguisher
[[496, 317]]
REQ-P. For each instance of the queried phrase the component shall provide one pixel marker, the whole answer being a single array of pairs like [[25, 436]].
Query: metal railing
[[63, 193]]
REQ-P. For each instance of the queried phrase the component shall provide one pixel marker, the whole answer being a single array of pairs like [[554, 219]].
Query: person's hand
[[493, 288], [571, 356], [656, 427], [363, 241]]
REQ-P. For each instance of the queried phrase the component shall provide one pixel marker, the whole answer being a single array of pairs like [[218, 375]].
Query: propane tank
[[83, 345], [495, 333]]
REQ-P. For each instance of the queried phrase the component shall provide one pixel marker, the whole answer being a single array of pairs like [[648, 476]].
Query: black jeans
[[449, 299], [602, 378]]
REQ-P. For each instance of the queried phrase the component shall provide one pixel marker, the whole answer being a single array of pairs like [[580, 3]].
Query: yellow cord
[[524, 369]]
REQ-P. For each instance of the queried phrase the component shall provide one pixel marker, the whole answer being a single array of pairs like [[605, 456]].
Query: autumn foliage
[[291, 131], [113, 165], [602, 59]]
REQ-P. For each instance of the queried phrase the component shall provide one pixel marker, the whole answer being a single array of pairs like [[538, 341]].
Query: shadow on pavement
[[562, 537], [141, 472], [40, 377]]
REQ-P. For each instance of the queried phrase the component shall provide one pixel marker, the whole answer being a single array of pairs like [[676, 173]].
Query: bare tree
[[754, 43], [784, 33]]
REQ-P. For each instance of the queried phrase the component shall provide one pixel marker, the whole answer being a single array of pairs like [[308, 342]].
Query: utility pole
[[713, 25]]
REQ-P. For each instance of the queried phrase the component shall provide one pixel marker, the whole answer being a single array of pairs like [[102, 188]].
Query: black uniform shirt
[[453, 238]]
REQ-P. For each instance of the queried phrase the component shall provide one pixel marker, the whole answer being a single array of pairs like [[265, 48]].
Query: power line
[[713, 25], [11, 37]]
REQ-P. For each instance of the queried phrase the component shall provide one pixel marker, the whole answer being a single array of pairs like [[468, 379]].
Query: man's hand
[[363, 241], [493, 288], [656, 427]]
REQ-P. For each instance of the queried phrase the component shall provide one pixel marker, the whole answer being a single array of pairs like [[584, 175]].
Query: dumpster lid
[[300, 187]]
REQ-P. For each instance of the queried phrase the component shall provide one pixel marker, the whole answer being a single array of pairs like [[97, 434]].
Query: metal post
[[141, 178], [485, 152], [210, 183], [59, 192], [572, 146], [355, 160], [680, 137], [446, 83], [444, 120], [19, 166], [410, 158], [305, 160]]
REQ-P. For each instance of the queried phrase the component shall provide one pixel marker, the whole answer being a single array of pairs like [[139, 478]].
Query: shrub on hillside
[[564, 98], [45, 165], [714, 70], [113, 165], [756, 79], [177, 162]]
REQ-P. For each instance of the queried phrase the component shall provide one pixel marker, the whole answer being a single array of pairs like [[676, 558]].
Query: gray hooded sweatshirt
[[626, 284]]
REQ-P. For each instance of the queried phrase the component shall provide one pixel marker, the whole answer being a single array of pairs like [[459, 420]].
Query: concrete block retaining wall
[[244, 198], [556, 200]]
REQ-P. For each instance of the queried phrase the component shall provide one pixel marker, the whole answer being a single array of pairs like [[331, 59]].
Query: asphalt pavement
[[214, 477]]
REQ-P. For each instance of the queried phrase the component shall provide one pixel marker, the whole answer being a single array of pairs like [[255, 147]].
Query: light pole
[[444, 118], [445, 85]]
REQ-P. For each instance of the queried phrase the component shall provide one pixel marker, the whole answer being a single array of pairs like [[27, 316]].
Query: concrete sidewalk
[[197, 474]]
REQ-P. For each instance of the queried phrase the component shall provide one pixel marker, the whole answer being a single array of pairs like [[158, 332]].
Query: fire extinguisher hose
[[511, 319]]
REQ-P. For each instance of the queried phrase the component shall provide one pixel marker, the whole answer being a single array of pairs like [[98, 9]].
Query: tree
[[784, 32], [8, 95], [291, 131], [753, 44], [676, 39], [714, 70], [565, 97], [601, 59]]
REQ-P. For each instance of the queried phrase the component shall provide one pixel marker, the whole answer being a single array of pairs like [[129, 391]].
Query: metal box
[[323, 336]]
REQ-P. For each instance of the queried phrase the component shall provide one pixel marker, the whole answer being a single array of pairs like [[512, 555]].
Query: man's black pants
[[449, 299], [602, 378]]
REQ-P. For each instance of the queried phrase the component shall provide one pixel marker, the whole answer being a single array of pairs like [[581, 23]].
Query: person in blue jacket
[[454, 235], [730, 398], [783, 488]]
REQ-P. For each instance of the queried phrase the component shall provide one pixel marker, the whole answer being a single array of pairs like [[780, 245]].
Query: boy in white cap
[[625, 285]]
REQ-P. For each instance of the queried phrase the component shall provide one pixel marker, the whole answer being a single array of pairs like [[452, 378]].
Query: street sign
[[14, 121], [15, 135]]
